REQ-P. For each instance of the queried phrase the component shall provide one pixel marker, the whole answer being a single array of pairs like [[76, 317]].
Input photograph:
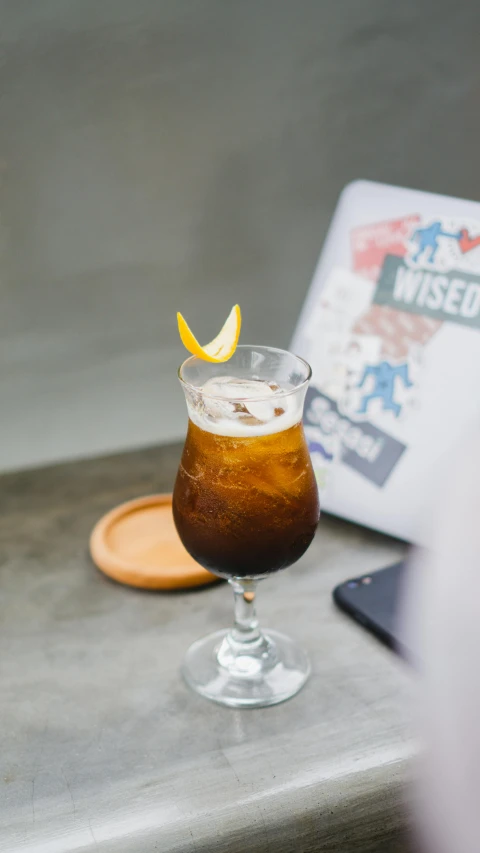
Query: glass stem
[[245, 629]]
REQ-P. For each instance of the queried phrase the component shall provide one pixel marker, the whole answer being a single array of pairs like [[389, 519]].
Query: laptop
[[391, 328]]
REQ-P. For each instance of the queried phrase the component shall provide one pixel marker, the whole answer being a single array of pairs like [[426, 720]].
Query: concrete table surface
[[103, 748]]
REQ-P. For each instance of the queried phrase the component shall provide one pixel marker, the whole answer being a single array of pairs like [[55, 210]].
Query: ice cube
[[217, 410], [259, 395], [219, 390], [232, 388], [262, 411]]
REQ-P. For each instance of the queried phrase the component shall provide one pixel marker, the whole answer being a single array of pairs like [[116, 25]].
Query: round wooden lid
[[137, 544]]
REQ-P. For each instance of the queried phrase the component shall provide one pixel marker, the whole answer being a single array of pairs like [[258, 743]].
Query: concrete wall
[[168, 155]]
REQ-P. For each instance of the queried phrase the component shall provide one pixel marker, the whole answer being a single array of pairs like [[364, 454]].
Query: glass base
[[266, 671]]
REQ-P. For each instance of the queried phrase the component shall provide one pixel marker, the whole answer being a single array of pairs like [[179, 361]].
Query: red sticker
[[466, 242], [370, 244], [397, 329]]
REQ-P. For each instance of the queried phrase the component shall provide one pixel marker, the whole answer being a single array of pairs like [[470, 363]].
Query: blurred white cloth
[[443, 609]]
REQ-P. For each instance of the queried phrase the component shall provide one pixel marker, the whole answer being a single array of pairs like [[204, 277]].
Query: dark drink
[[246, 505]]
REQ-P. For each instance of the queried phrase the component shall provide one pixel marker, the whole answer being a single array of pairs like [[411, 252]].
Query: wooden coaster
[[137, 544]]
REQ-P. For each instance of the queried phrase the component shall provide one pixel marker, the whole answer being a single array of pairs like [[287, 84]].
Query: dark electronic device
[[373, 601]]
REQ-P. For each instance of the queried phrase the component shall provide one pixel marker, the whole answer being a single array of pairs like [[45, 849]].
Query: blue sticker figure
[[427, 238], [384, 374]]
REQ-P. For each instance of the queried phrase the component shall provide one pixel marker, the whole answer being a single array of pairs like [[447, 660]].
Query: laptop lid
[[391, 327]]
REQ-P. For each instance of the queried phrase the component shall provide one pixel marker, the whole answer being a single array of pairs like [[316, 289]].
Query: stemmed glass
[[245, 505]]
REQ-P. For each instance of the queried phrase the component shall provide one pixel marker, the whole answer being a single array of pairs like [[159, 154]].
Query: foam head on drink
[[245, 501]]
